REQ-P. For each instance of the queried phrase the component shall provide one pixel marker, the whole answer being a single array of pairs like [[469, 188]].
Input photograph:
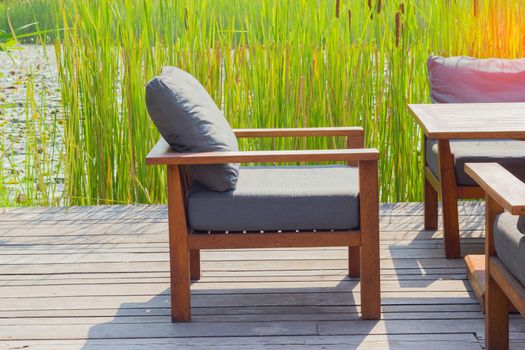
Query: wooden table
[[471, 120], [444, 122]]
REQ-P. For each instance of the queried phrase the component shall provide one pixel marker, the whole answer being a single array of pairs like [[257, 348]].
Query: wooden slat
[[499, 184], [300, 132], [163, 154], [275, 240], [86, 279], [127, 212], [341, 285], [470, 192], [450, 341], [475, 265], [393, 311]]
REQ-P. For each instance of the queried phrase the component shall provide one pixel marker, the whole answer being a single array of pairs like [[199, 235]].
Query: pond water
[[31, 132]]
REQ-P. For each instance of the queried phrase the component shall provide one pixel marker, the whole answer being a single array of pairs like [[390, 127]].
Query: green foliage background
[[267, 63]]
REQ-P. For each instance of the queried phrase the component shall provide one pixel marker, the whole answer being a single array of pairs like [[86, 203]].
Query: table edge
[[448, 134]]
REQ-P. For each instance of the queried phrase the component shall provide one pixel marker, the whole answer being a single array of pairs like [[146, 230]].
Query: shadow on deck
[[97, 278]]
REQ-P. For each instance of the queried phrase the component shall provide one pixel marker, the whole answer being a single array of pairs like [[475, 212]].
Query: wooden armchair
[[504, 249], [185, 242]]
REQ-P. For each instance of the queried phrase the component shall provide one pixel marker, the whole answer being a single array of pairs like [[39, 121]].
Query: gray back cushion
[[190, 121], [470, 80], [521, 224]]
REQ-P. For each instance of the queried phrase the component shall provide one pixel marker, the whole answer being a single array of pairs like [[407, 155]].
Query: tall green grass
[[267, 63], [17, 13]]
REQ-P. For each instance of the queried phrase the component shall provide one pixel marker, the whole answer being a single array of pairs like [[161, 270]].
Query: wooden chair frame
[[450, 192], [503, 191], [363, 244]]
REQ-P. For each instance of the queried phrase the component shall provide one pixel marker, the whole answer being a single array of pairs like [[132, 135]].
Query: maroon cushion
[[469, 80]]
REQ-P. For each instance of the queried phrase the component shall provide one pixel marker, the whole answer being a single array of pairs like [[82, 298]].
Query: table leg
[[450, 201]]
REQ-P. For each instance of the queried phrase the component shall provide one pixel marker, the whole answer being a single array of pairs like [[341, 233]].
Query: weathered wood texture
[[162, 153], [500, 184], [471, 120], [449, 198], [98, 278]]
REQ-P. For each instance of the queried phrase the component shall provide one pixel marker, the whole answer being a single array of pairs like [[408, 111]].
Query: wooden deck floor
[[97, 278]]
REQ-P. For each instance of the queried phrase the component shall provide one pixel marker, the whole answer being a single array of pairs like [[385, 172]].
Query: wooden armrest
[[162, 153], [300, 132], [506, 189]]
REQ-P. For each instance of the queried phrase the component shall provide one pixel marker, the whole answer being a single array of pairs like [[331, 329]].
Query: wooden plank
[[13, 249], [248, 287], [93, 213], [503, 187], [248, 265], [16, 247], [114, 283], [471, 120], [451, 341], [397, 250], [163, 154], [254, 329], [108, 257], [394, 311], [237, 298], [349, 315], [427, 279], [300, 132], [476, 275], [275, 240]]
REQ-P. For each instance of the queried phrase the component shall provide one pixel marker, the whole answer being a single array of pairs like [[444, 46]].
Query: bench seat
[[280, 198], [509, 153]]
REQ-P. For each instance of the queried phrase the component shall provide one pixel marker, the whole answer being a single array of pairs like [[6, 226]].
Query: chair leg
[[354, 261], [179, 250], [369, 207], [180, 285], [195, 264], [370, 281], [496, 317], [431, 207]]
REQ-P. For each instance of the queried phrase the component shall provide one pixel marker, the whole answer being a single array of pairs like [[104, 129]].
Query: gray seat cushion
[[467, 79], [510, 245], [509, 153], [190, 121], [280, 198]]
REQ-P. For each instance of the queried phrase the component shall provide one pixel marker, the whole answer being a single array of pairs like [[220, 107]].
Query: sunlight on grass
[[268, 63]]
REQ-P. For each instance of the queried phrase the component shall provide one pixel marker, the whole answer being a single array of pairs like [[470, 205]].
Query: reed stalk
[[268, 63]]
